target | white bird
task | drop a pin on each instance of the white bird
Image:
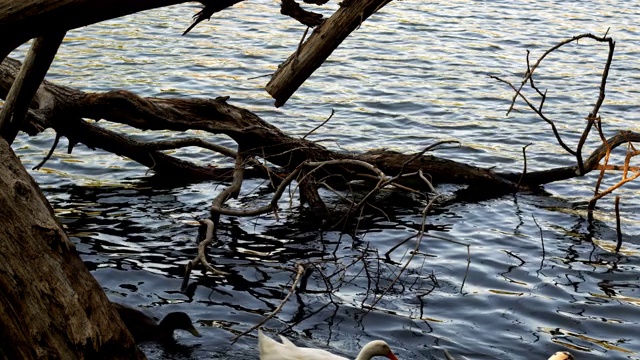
(273, 350)
(561, 355)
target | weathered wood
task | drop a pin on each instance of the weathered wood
(24, 87)
(217, 116)
(322, 42)
(591, 163)
(62, 108)
(50, 305)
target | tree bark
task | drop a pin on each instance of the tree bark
(62, 108)
(26, 19)
(322, 42)
(50, 305)
(24, 87)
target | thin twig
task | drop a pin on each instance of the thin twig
(616, 186)
(524, 170)
(319, 126)
(414, 252)
(592, 202)
(430, 147)
(48, 156)
(304, 36)
(260, 76)
(466, 272)
(202, 255)
(592, 115)
(544, 55)
(594, 112)
(554, 129)
(300, 270)
(541, 237)
(618, 231)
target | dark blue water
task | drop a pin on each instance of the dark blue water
(414, 74)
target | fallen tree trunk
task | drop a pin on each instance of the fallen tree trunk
(63, 109)
(50, 305)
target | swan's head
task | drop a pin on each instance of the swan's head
(561, 355)
(178, 320)
(377, 348)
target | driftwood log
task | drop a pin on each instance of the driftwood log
(50, 305)
(65, 110)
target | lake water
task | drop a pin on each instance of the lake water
(414, 74)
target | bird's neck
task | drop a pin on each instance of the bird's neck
(365, 353)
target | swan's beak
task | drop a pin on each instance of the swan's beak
(194, 332)
(391, 356)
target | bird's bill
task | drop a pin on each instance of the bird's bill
(391, 356)
(194, 332)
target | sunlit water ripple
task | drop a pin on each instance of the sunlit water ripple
(414, 74)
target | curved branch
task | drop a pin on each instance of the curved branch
(534, 178)
(594, 113)
(202, 255)
(230, 191)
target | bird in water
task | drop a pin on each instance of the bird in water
(145, 328)
(272, 350)
(560, 355)
(210, 7)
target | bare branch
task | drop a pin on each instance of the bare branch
(230, 191)
(524, 170)
(618, 231)
(202, 255)
(319, 126)
(533, 68)
(415, 250)
(48, 156)
(593, 115)
(300, 270)
(540, 114)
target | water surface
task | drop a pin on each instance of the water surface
(540, 278)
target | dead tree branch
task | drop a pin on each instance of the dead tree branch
(202, 254)
(210, 7)
(28, 19)
(538, 110)
(323, 41)
(293, 9)
(300, 269)
(26, 83)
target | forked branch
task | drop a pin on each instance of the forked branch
(591, 117)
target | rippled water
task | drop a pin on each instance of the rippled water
(412, 75)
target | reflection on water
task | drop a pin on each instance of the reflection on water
(540, 278)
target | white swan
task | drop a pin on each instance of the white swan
(273, 350)
(562, 355)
